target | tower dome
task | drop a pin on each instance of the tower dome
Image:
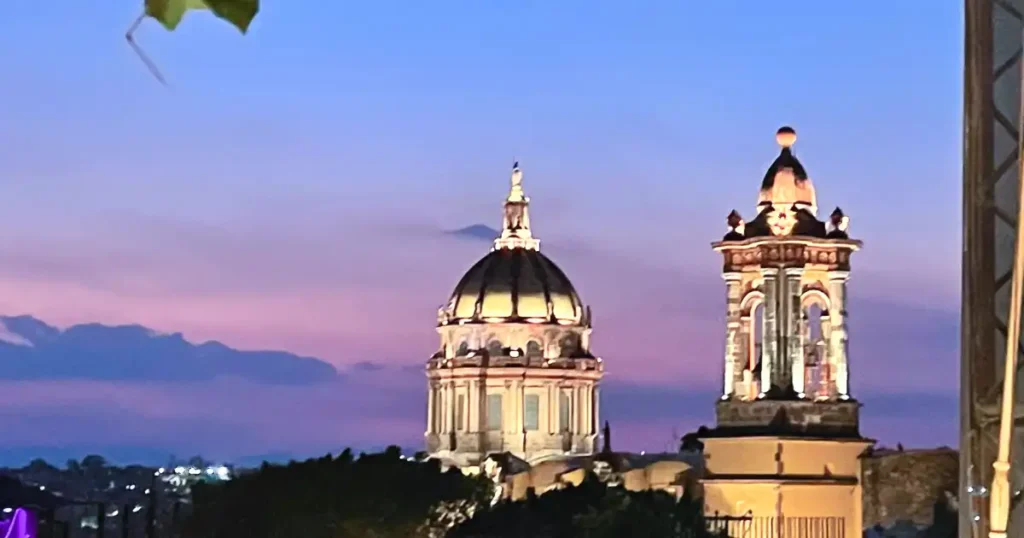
(786, 183)
(514, 372)
(787, 204)
(515, 282)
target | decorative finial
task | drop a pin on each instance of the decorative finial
(839, 220)
(736, 225)
(734, 220)
(607, 438)
(517, 175)
(516, 223)
(785, 136)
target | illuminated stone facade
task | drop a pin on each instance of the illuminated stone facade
(786, 442)
(514, 372)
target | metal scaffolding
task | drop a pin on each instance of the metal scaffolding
(992, 97)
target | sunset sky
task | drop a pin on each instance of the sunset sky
(292, 189)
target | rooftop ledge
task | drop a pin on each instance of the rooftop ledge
(485, 361)
(852, 244)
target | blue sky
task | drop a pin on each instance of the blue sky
(288, 190)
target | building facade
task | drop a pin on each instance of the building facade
(786, 446)
(514, 372)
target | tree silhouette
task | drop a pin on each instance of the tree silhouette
(590, 510)
(376, 496)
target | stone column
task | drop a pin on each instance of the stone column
(597, 407)
(748, 353)
(508, 403)
(473, 405)
(733, 368)
(552, 408)
(578, 406)
(449, 407)
(838, 342)
(583, 409)
(441, 420)
(517, 390)
(590, 410)
(794, 330)
(431, 395)
(769, 331)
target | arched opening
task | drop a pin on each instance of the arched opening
(569, 344)
(463, 349)
(747, 370)
(818, 377)
(534, 349)
(755, 354)
(494, 348)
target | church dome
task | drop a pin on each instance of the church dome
(515, 284)
(786, 183)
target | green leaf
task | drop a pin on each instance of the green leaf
(239, 13)
(168, 12)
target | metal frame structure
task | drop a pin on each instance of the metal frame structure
(991, 172)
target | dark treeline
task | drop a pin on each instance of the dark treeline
(387, 496)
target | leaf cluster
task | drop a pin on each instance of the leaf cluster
(590, 510)
(374, 496)
(240, 13)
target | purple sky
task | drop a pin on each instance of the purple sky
(291, 188)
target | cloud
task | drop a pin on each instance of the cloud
(479, 232)
(357, 288)
(35, 350)
(367, 407)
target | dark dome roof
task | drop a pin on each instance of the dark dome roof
(515, 284)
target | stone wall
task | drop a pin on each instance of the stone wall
(905, 485)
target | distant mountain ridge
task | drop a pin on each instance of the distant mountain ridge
(32, 349)
(480, 232)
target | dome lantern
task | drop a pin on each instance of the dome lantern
(515, 229)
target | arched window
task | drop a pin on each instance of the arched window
(749, 364)
(534, 349)
(756, 336)
(494, 348)
(569, 345)
(814, 331)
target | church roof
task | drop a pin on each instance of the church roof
(515, 282)
(787, 202)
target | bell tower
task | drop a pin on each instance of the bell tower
(786, 445)
(786, 272)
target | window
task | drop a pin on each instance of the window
(460, 413)
(531, 412)
(563, 411)
(569, 344)
(494, 412)
(494, 348)
(463, 349)
(533, 349)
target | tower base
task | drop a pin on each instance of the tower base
(778, 487)
(833, 419)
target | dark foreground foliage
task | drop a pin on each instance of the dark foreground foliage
(591, 510)
(373, 496)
